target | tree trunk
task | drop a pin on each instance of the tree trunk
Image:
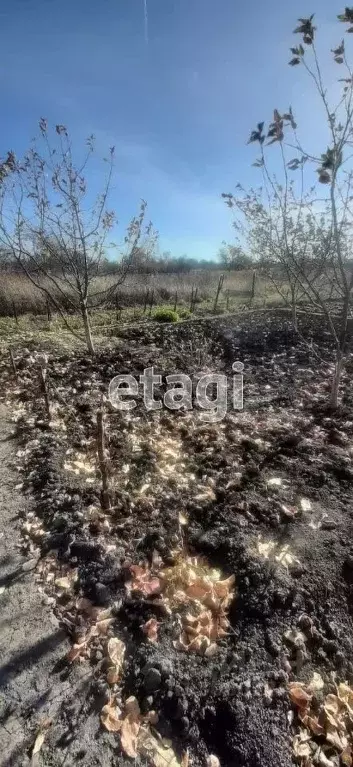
(87, 327)
(341, 351)
(294, 311)
(105, 498)
(336, 379)
(253, 287)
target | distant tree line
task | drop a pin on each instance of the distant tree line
(229, 257)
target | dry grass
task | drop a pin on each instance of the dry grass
(23, 310)
(18, 295)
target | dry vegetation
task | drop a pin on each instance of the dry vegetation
(16, 293)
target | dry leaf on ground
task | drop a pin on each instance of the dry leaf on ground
(212, 761)
(159, 752)
(116, 651)
(150, 628)
(143, 580)
(63, 583)
(110, 717)
(191, 581)
(130, 727)
(38, 743)
(331, 720)
(299, 695)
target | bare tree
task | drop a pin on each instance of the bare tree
(58, 235)
(311, 232)
(7, 166)
(233, 257)
(288, 239)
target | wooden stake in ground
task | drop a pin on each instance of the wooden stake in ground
(195, 298)
(175, 301)
(13, 365)
(49, 315)
(117, 306)
(145, 303)
(219, 288)
(151, 302)
(14, 309)
(253, 286)
(192, 299)
(43, 381)
(102, 459)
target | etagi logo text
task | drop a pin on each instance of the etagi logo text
(214, 392)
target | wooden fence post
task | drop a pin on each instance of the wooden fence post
(43, 380)
(13, 365)
(151, 302)
(145, 303)
(49, 314)
(219, 288)
(175, 301)
(195, 298)
(192, 299)
(14, 310)
(117, 307)
(102, 460)
(253, 286)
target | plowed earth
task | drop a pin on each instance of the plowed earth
(265, 495)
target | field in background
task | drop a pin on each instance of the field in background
(18, 296)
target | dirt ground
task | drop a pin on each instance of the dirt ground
(34, 681)
(264, 497)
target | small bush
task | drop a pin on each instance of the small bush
(184, 314)
(166, 315)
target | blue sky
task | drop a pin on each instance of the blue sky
(179, 108)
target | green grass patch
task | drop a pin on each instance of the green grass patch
(165, 314)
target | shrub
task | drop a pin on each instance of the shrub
(166, 315)
(184, 314)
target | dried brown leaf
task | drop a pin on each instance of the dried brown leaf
(317, 683)
(113, 675)
(129, 734)
(129, 737)
(197, 590)
(150, 628)
(301, 747)
(76, 651)
(312, 723)
(144, 581)
(336, 738)
(212, 761)
(159, 752)
(152, 717)
(332, 705)
(298, 695)
(102, 626)
(63, 583)
(116, 652)
(110, 717)
(132, 707)
(38, 742)
(223, 588)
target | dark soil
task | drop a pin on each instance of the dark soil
(234, 705)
